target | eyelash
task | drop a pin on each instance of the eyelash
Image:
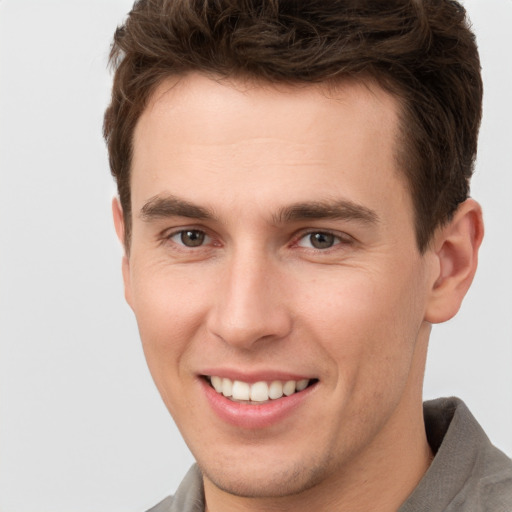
(338, 239)
(168, 237)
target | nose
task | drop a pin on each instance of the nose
(250, 306)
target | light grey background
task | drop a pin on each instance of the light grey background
(82, 428)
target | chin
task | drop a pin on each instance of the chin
(266, 482)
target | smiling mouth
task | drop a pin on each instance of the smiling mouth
(257, 392)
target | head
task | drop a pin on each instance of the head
(293, 183)
(422, 52)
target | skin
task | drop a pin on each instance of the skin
(258, 296)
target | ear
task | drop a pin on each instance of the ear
(117, 213)
(455, 246)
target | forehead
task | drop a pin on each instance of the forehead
(195, 103)
(223, 140)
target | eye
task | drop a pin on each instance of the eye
(190, 237)
(319, 240)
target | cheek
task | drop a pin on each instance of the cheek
(169, 307)
(367, 324)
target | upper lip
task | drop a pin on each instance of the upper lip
(254, 376)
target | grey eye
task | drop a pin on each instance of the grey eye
(190, 237)
(319, 240)
(322, 240)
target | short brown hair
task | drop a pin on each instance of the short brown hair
(422, 51)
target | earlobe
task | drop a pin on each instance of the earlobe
(117, 214)
(456, 246)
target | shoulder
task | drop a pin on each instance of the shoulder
(488, 487)
(468, 473)
(164, 506)
(189, 496)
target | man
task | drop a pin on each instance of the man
(294, 206)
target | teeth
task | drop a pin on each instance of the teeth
(257, 392)
(275, 390)
(227, 387)
(289, 387)
(217, 384)
(241, 390)
(302, 384)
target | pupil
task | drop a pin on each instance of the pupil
(192, 238)
(322, 240)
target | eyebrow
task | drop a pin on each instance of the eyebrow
(336, 210)
(160, 207)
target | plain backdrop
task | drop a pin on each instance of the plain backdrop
(82, 428)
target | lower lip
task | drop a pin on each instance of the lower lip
(257, 416)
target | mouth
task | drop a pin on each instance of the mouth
(257, 393)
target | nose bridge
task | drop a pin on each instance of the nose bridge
(250, 305)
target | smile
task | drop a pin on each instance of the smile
(258, 402)
(257, 392)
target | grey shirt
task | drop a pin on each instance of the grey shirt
(467, 474)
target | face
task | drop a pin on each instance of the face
(275, 278)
